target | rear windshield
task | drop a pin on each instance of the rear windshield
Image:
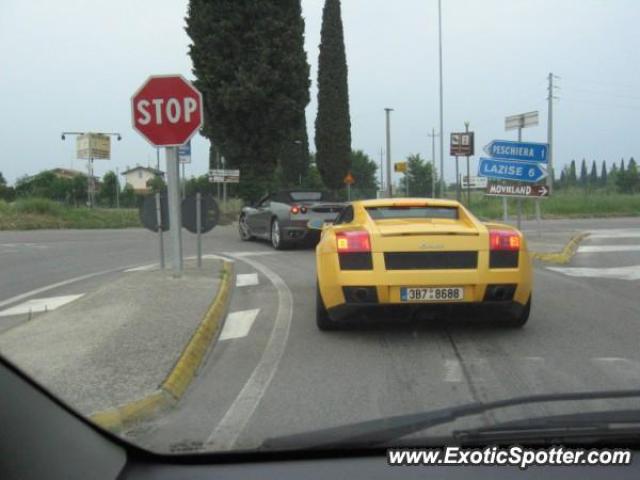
(383, 213)
(302, 196)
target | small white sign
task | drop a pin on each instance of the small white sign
(224, 176)
(476, 182)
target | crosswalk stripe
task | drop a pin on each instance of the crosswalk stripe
(238, 324)
(453, 371)
(631, 272)
(246, 279)
(615, 233)
(37, 305)
(608, 248)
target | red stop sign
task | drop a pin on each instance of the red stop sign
(167, 110)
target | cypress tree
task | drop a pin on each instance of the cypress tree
(583, 173)
(593, 175)
(622, 165)
(294, 154)
(603, 174)
(563, 179)
(573, 180)
(333, 123)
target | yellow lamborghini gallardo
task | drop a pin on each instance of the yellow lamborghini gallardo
(415, 254)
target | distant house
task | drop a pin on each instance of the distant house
(138, 177)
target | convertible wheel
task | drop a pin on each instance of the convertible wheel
(519, 320)
(323, 320)
(243, 229)
(276, 236)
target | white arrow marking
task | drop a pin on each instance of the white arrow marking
(39, 305)
(608, 248)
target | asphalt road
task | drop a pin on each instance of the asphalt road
(274, 373)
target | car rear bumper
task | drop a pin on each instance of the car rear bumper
(293, 234)
(467, 310)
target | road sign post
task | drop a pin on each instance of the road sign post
(199, 226)
(167, 111)
(159, 223)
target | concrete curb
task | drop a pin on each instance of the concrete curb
(564, 256)
(178, 380)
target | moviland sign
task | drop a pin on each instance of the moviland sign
(517, 190)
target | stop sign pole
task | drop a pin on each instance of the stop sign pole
(167, 111)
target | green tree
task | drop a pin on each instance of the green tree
(572, 181)
(7, 193)
(603, 174)
(294, 153)
(584, 176)
(622, 165)
(563, 178)
(363, 169)
(628, 181)
(156, 184)
(128, 197)
(252, 80)
(419, 174)
(333, 122)
(593, 175)
(110, 186)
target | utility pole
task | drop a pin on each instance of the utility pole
(433, 161)
(381, 170)
(441, 108)
(388, 127)
(550, 98)
(466, 129)
(117, 189)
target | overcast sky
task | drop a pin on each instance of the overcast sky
(73, 65)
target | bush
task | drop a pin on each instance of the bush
(40, 206)
(5, 208)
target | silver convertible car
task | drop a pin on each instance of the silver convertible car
(282, 217)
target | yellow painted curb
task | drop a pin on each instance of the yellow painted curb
(178, 380)
(564, 256)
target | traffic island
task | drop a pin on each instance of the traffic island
(129, 349)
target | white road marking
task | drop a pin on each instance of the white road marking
(631, 272)
(615, 233)
(226, 433)
(37, 305)
(622, 368)
(246, 279)
(251, 254)
(608, 248)
(212, 256)
(46, 288)
(453, 371)
(141, 268)
(238, 324)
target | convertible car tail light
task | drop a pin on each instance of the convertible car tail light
(504, 240)
(351, 242)
(295, 209)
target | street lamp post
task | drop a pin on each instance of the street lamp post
(388, 131)
(90, 178)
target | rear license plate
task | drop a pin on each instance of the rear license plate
(431, 294)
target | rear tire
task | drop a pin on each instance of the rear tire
(276, 236)
(323, 320)
(519, 320)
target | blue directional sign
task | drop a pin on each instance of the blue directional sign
(512, 170)
(184, 152)
(517, 151)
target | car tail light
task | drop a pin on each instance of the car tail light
(355, 241)
(295, 209)
(504, 240)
